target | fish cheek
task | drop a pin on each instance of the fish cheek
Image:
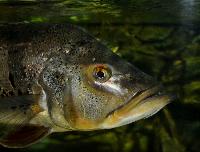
(96, 101)
(91, 109)
(89, 103)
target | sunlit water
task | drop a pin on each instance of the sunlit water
(161, 37)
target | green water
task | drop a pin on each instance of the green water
(161, 37)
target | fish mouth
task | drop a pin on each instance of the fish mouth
(141, 105)
(147, 95)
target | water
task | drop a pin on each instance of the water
(161, 37)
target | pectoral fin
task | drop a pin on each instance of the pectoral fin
(15, 115)
(24, 136)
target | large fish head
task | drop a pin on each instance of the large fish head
(106, 92)
(96, 89)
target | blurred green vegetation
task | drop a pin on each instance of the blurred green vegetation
(160, 37)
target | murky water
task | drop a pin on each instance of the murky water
(161, 37)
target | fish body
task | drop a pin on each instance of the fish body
(57, 77)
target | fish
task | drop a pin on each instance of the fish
(59, 78)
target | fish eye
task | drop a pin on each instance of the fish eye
(101, 74)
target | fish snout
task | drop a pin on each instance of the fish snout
(142, 104)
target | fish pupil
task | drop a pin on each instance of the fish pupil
(100, 74)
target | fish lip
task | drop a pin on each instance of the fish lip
(141, 105)
(152, 93)
(149, 94)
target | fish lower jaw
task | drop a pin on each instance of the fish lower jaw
(144, 109)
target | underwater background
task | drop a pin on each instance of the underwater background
(161, 37)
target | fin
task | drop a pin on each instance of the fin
(15, 115)
(24, 136)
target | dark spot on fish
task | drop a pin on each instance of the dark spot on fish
(82, 42)
(24, 106)
(13, 107)
(11, 78)
(19, 92)
(21, 106)
(28, 105)
(57, 75)
(11, 93)
(15, 50)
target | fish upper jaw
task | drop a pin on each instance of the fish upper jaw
(142, 105)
